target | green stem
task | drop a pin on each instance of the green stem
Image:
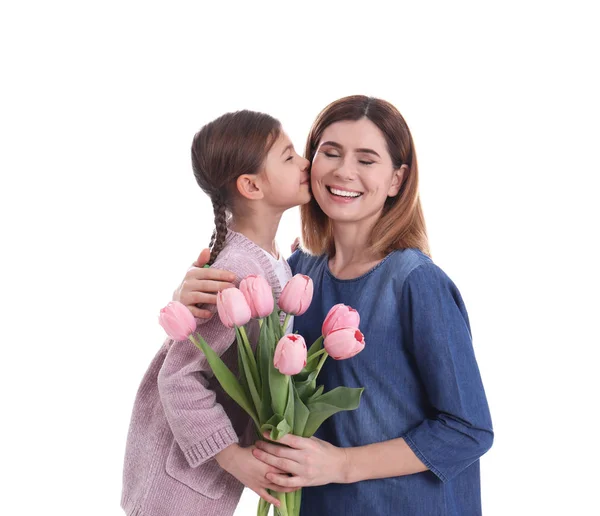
(297, 501)
(290, 498)
(282, 509)
(285, 323)
(316, 345)
(315, 355)
(254, 367)
(263, 508)
(321, 362)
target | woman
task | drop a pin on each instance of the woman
(413, 445)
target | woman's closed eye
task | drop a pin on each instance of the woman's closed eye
(331, 155)
(363, 162)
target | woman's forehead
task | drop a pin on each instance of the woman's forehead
(354, 134)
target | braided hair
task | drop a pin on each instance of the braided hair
(217, 241)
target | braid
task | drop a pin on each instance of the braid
(217, 241)
(212, 239)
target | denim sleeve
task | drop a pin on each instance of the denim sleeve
(436, 329)
(293, 260)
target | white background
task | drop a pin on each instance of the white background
(101, 215)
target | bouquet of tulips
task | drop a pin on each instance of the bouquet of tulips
(277, 384)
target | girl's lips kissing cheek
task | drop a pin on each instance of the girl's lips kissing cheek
(342, 195)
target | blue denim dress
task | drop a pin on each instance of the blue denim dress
(421, 383)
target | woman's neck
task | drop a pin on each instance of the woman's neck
(261, 231)
(353, 256)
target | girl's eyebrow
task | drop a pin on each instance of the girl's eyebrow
(361, 150)
(289, 147)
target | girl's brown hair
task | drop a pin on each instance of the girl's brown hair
(401, 224)
(224, 149)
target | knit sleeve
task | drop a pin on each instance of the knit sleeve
(199, 424)
(437, 329)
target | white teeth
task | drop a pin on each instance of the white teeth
(343, 193)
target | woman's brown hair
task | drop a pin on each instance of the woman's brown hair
(401, 224)
(224, 149)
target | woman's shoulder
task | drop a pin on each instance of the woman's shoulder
(415, 267)
(416, 272)
(402, 262)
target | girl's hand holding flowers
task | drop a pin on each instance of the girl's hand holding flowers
(241, 463)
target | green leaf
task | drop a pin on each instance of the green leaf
(226, 378)
(247, 372)
(241, 334)
(306, 388)
(332, 402)
(316, 346)
(316, 394)
(311, 365)
(278, 426)
(302, 375)
(258, 352)
(273, 421)
(301, 414)
(242, 375)
(289, 408)
(265, 356)
(275, 325)
(278, 383)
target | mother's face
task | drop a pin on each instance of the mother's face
(352, 173)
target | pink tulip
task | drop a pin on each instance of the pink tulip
(344, 343)
(233, 308)
(340, 316)
(297, 295)
(177, 320)
(290, 354)
(259, 296)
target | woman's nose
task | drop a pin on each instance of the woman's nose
(344, 172)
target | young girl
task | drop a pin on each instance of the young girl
(185, 452)
(413, 445)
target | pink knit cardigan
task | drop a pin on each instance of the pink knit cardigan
(182, 417)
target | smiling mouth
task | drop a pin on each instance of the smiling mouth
(343, 193)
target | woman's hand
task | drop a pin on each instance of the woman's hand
(240, 463)
(310, 461)
(199, 286)
(296, 244)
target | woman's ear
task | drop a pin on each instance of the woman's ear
(248, 186)
(397, 180)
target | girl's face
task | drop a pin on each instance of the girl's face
(286, 175)
(352, 173)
